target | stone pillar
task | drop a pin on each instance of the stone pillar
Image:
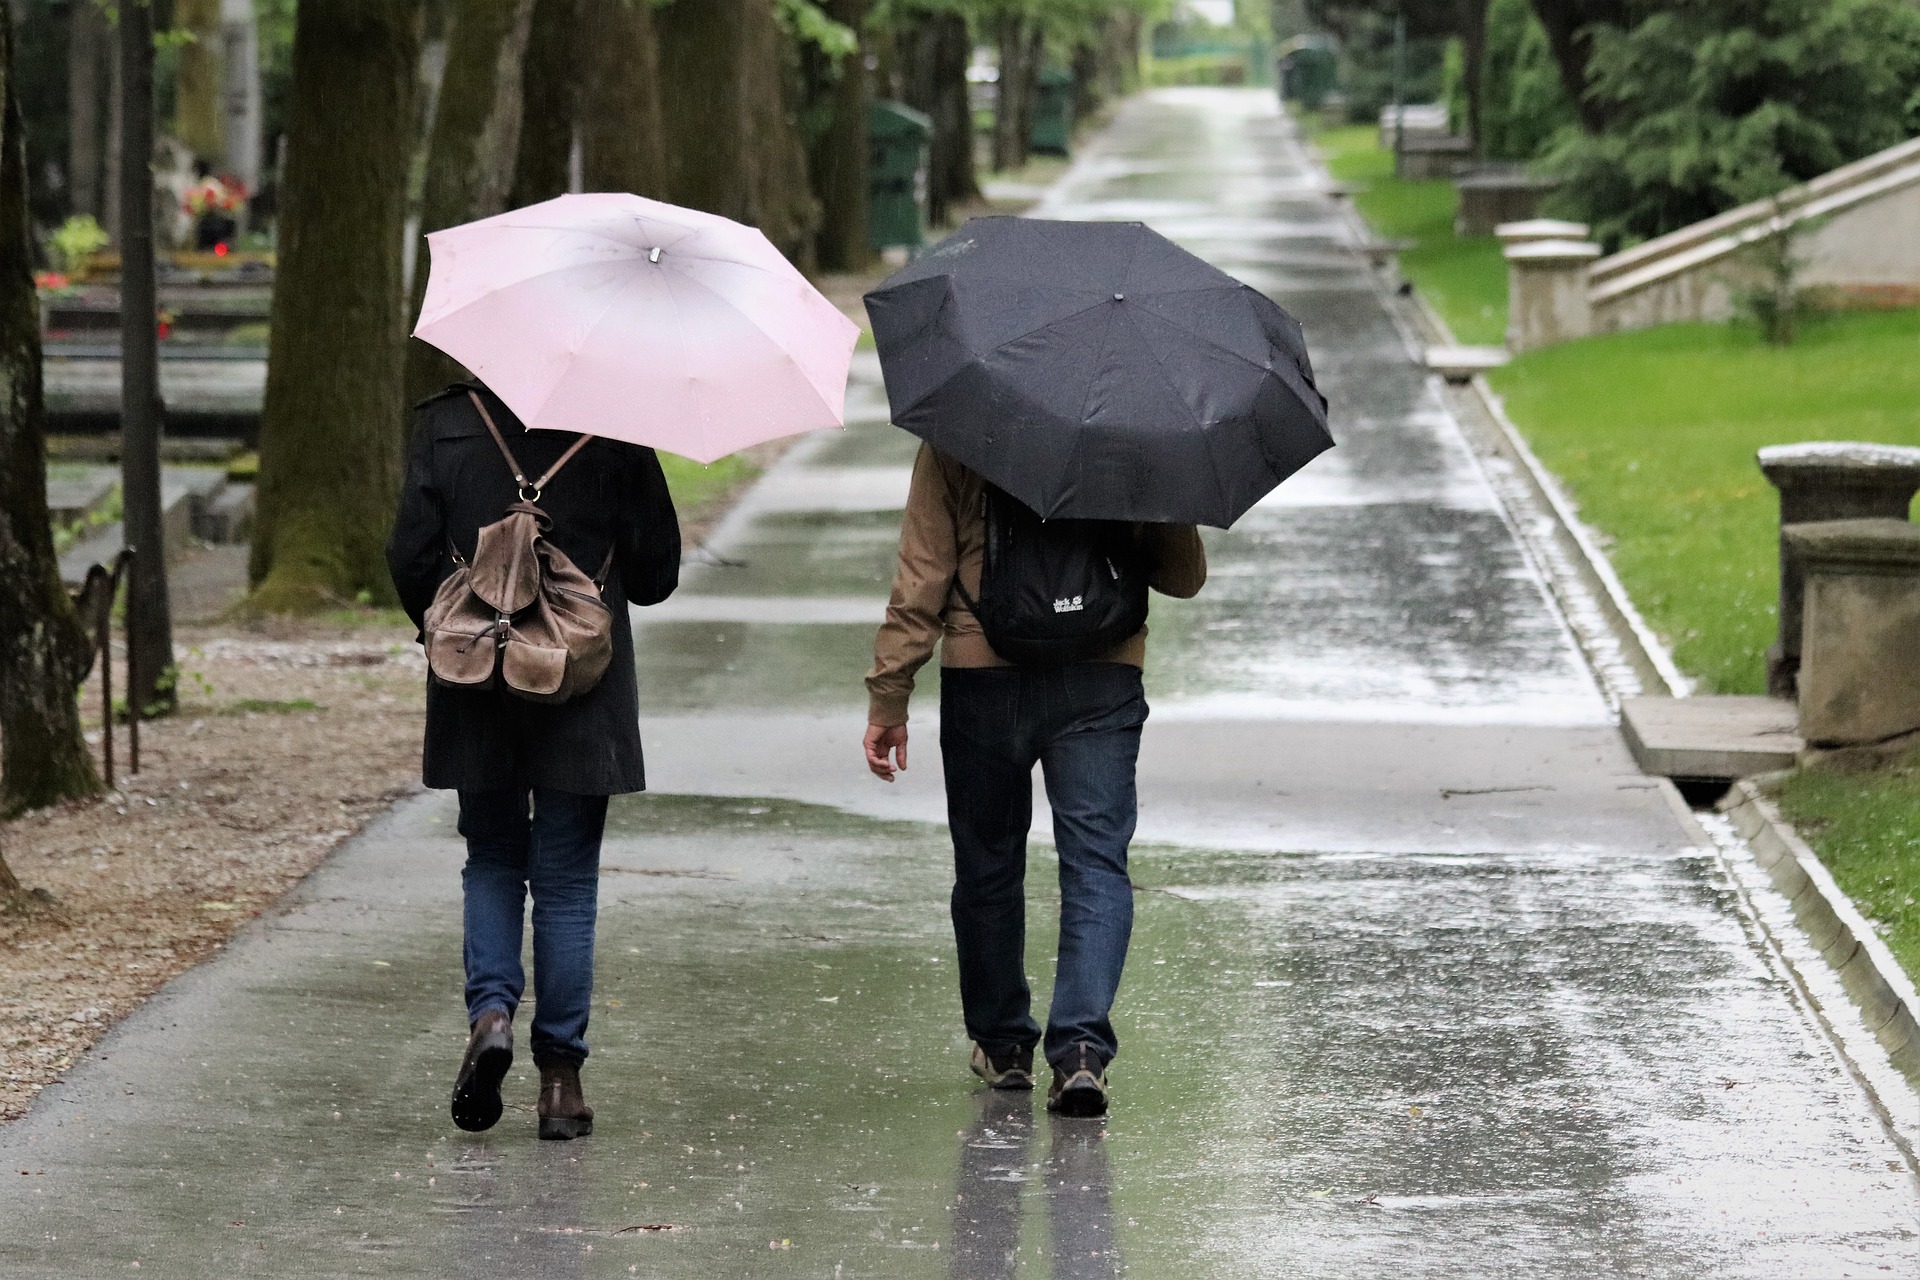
(1860, 643)
(1534, 230)
(1547, 292)
(1828, 480)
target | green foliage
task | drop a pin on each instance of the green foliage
(1711, 103)
(1523, 105)
(74, 241)
(1654, 433)
(807, 23)
(1463, 277)
(1866, 828)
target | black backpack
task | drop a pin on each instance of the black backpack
(1054, 592)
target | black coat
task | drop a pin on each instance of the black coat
(610, 496)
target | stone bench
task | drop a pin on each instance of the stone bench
(1859, 676)
(1827, 481)
(1490, 200)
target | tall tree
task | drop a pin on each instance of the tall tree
(150, 632)
(330, 429)
(1718, 102)
(703, 95)
(1571, 26)
(840, 162)
(87, 45)
(198, 81)
(550, 97)
(934, 52)
(732, 145)
(471, 152)
(622, 142)
(1022, 43)
(43, 647)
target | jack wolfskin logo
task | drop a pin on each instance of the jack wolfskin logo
(1073, 605)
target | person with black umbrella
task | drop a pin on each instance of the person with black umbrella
(1087, 393)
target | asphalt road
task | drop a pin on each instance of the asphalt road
(1427, 979)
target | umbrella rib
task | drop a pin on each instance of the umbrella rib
(772, 341)
(1201, 337)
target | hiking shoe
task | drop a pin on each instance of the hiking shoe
(1079, 1083)
(1007, 1068)
(564, 1113)
(476, 1092)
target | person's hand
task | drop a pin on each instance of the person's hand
(880, 740)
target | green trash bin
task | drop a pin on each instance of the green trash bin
(1052, 128)
(898, 137)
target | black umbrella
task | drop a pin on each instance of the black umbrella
(1097, 370)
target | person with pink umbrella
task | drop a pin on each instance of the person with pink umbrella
(598, 329)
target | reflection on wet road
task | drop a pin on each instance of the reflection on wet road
(1427, 979)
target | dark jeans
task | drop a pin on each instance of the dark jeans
(1081, 724)
(554, 850)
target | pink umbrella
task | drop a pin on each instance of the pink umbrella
(641, 321)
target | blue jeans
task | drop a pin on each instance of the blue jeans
(555, 852)
(1081, 724)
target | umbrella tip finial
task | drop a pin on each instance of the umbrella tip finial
(1119, 297)
(654, 256)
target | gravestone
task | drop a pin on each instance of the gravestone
(1820, 481)
(1859, 675)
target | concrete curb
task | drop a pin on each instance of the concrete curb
(1879, 987)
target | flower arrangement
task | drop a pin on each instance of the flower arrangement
(224, 194)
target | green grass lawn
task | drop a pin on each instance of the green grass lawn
(1463, 277)
(1866, 828)
(1654, 434)
(696, 487)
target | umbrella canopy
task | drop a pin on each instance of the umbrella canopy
(641, 321)
(1096, 370)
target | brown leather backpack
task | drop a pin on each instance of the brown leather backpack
(520, 614)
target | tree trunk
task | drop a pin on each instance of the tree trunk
(782, 200)
(110, 172)
(1566, 23)
(330, 431)
(86, 83)
(621, 134)
(840, 163)
(1009, 143)
(43, 646)
(470, 159)
(1030, 63)
(1471, 28)
(196, 110)
(142, 416)
(704, 83)
(730, 140)
(550, 94)
(934, 80)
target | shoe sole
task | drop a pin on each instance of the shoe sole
(476, 1095)
(564, 1128)
(1011, 1081)
(1079, 1101)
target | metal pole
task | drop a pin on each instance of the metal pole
(1399, 82)
(149, 623)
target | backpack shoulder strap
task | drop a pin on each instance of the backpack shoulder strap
(513, 463)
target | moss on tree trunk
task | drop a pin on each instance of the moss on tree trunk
(43, 647)
(621, 137)
(331, 428)
(781, 200)
(470, 156)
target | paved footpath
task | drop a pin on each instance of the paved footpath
(1427, 980)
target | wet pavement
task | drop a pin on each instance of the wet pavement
(1427, 979)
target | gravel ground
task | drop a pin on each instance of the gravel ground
(287, 741)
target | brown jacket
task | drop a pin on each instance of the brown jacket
(944, 531)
